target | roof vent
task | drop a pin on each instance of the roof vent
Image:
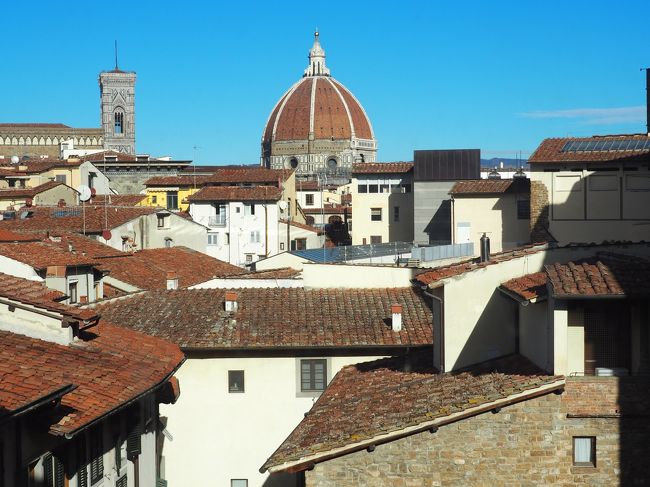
(396, 309)
(231, 301)
(172, 280)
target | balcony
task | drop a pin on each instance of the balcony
(217, 221)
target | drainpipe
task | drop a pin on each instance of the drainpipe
(441, 305)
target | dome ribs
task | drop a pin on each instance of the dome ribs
(293, 121)
(362, 127)
(330, 114)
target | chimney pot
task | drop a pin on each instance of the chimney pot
(231, 301)
(396, 309)
(172, 280)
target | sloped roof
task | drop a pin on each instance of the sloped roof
(490, 186)
(275, 318)
(30, 192)
(43, 254)
(381, 167)
(551, 150)
(36, 294)
(530, 286)
(110, 367)
(223, 176)
(118, 199)
(376, 402)
(237, 193)
(147, 269)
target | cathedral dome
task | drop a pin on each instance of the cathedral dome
(317, 115)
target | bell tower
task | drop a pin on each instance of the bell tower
(117, 95)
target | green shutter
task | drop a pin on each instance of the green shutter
(121, 482)
(161, 483)
(48, 471)
(97, 469)
(133, 445)
(82, 476)
(59, 473)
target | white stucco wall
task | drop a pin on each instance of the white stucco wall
(283, 259)
(355, 276)
(233, 283)
(18, 269)
(232, 434)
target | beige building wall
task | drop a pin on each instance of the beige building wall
(588, 205)
(396, 225)
(494, 215)
(355, 276)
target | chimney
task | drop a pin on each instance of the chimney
(396, 309)
(485, 248)
(172, 280)
(231, 301)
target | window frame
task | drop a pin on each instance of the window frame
(73, 292)
(396, 213)
(172, 196)
(309, 199)
(523, 209)
(232, 484)
(376, 214)
(592, 463)
(300, 392)
(213, 239)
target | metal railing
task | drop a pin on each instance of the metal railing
(217, 221)
(439, 252)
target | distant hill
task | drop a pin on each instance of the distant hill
(496, 161)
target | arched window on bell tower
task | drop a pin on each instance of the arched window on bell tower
(118, 119)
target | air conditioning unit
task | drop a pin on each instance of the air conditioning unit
(612, 372)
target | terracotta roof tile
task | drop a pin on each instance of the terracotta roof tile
(9, 236)
(276, 317)
(223, 176)
(147, 269)
(491, 186)
(28, 192)
(35, 293)
(281, 273)
(381, 167)
(304, 226)
(607, 274)
(118, 199)
(237, 193)
(110, 366)
(328, 209)
(370, 399)
(550, 150)
(41, 255)
(531, 286)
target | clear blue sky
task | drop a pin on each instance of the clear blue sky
(499, 76)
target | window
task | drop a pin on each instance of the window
(172, 200)
(523, 209)
(309, 199)
(119, 122)
(53, 471)
(375, 214)
(72, 292)
(169, 243)
(407, 188)
(396, 213)
(154, 199)
(122, 481)
(249, 209)
(255, 236)
(249, 258)
(227, 239)
(384, 188)
(213, 238)
(125, 244)
(235, 381)
(362, 188)
(373, 188)
(301, 244)
(584, 451)
(313, 375)
(293, 162)
(97, 455)
(375, 239)
(163, 220)
(238, 483)
(238, 210)
(61, 178)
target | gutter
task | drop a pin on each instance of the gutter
(308, 462)
(52, 396)
(70, 435)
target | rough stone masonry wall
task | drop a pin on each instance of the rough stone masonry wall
(539, 212)
(527, 444)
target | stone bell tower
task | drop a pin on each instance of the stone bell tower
(117, 94)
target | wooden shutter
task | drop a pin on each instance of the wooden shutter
(97, 469)
(133, 444)
(82, 476)
(122, 481)
(59, 473)
(48, 471)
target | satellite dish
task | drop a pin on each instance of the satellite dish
(15, 159)
(282, 205)
(84, 192)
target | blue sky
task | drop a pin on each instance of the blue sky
(499, 76)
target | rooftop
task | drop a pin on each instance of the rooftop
(223, 176)
(381, 167)
(28, 192)
(276, 318)
(237, 193)
(599, 148)
(376, 402)
(490, 186)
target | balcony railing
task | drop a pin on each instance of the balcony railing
(217, 221)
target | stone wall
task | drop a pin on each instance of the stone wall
(526, 444)
(539, 212)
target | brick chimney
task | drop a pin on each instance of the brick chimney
(396, 309)
(231, 301)
(172, 280)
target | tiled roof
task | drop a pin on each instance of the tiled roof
(100, 156)
(550, 150)
(37, 166)
(491, 186)
(531, 286)
(20, 389)
(71, 218)
(607, 274)
(224, 176)
(314, 186)
(381, 167)
(270, 318)
(375, 402)
(119, 199)
(147, 269)
(35, 293)
(303, 226)
(452, 270)
(112, 367)
(281, 273)
(237, 193)
(9, 236)
(28, 192)
(43, 254)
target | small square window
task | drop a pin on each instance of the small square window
(154, 199)
(362, 188)
(309, 199)
(235, 381)
(584, 451)
(238, 483)
(375, 214)
(213, 238)
(375, 239)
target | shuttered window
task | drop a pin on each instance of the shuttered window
(313, 375)
(97, 455)
(133, 445)
(53, 471)
(121, 482)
